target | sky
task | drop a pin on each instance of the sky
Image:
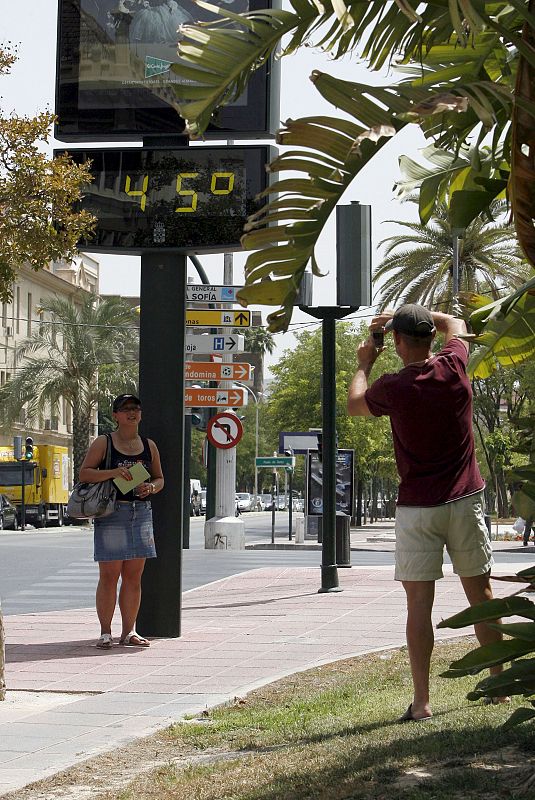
(30, 88)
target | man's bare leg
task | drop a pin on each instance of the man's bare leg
(420, 641)
(477, 590)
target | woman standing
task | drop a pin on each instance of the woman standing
(124, 539)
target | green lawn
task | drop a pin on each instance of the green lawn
(331, 733)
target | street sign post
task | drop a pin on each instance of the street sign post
(217, 371)
(205, 344)
(210, 398)
(224, 431)
(275, 461)
(218, 319)
(211, 294)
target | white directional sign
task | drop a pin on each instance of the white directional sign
(211, 294)
(210, 398)
(206, 343)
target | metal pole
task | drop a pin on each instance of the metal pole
(290, 481)
(211, 453)
(23, 498)
(329, 572)
(274, 490)
(455, 273)
(187, 492)
(162, 332)
(256, 455)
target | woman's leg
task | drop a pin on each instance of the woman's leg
(130, 593)
(106, 596)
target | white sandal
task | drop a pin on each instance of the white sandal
(105, 641)
(128, 640)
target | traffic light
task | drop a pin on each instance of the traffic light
(199, 418)
(28, 448)
(17, 447)
(320, 446)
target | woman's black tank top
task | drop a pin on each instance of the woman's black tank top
(122, 460)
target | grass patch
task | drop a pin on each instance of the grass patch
(331, 733)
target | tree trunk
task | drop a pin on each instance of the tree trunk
(80, 438)
(2, 659)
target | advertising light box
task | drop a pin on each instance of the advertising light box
(113, 79)
(189, 199)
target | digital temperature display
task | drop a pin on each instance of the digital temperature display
(191, 199)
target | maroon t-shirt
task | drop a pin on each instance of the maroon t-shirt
(430, 410)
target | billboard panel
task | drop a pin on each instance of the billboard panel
(344, 482)
(113, 72)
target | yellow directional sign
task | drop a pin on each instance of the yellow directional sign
(218, 319)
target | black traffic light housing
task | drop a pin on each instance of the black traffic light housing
(200, 418)
(28, 448)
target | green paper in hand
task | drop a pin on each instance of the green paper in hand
(139, 475)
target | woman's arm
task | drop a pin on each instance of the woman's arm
(156, 474)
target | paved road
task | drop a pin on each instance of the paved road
(53, 569)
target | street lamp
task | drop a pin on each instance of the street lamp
(255, 398)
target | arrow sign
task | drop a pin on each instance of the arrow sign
(228, 398)
(207, 318)
(211, 294)
(224, 430)
(204, 344)
(275, 461)
(215, 371)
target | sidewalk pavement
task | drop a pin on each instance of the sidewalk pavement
(68, 700)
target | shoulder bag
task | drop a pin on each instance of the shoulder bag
(90, 500)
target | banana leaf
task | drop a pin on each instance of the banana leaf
(454, 95)
(491, 610)
(490, 655)
(525, 631)
(518, 716)
(506, 332)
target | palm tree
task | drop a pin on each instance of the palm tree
(63, 358)
(466, 74)
(418, 264)
(258, 341)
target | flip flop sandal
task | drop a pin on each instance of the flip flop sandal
(105, 642)
(408, 717)
(133, 639)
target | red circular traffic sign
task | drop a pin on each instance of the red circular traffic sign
(224, 430)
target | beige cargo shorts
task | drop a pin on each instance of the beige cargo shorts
(422, 533)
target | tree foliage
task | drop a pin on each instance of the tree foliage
(418, 263)
(62, 360)
(295, 398)
(456, 66)
(39, 221)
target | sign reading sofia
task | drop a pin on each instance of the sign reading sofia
(113, 72)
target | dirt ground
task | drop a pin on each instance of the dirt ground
(113, 772)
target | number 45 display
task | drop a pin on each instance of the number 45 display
(221, 183)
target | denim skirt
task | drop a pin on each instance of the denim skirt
(125, 534)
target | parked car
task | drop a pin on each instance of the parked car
(245, 501)
(267, 500)
(8, 514)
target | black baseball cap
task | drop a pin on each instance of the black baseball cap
(119, 401)
(412, 320)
